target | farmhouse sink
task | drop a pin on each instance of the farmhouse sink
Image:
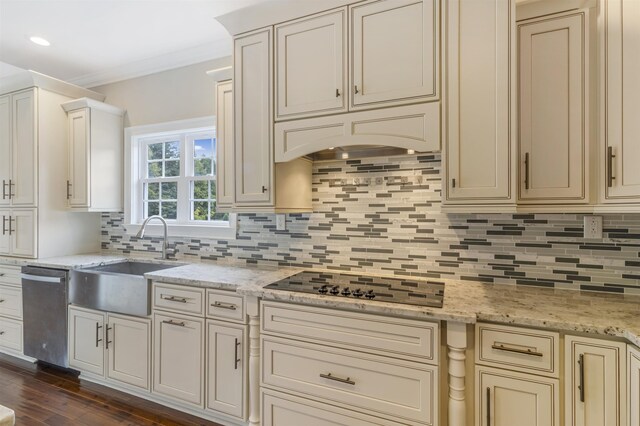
(119, 287)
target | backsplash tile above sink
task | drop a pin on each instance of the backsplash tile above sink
(383, 215)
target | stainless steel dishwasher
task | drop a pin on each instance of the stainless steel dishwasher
(44, 306)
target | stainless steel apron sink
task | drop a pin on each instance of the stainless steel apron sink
(119, 287)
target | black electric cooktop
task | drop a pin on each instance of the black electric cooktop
(393, 290)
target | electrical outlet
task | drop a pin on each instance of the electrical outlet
(281, 222)
(593, 227)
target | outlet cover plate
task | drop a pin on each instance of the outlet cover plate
(593, 227)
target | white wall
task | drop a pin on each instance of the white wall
(177, 94)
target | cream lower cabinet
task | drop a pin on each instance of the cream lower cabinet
(113, 346)
(595, 390)
(10, 310)
(633, 386)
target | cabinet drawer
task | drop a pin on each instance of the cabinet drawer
(11, 301)
(351, 379)
(521, 349)
(279, 409)
(11, 335)
(181, 299)
(371, 333)
(224, 304)
(10, 275)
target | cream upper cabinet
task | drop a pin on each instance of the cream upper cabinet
(5, 147)
(394, 52)
(79, 160)
(554, 108)
(620, 109)
(24, 150)
(253, 118)
(594, 382)
(633, 386)
(311, 71)
(225, 177)
(477, 119)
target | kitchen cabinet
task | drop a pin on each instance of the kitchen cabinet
(19, 229)
(10, 310)
(95, 148)
(478, 118)
(226, 375)
(311, 65)
(86, 340)
(620, 97)
(633, 386)
(594, 386)
(394, 54)
(225, 167)
(554, 136)
(507, 398)
(5, 147)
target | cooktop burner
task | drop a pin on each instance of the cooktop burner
(393, 290)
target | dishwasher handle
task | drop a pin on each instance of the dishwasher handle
(39, 278)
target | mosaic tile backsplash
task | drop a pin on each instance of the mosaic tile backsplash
(382, 215)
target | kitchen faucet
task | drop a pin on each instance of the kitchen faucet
(165, 242)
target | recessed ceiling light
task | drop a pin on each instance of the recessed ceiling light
(40, 41)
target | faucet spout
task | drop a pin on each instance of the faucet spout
(165, 242)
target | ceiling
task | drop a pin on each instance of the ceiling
(96, 42)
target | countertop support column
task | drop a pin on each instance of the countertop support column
(253, 310)
(457, 345)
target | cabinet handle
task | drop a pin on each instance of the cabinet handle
(98, 339)
(488, 406)
(356, 89)
(107, 341)
(11, 185)
(68, 190)
(1, 273)
(526, 171)
(338, 379)
(4, 221)
(174, 299)
(172, 322)
(1, 300)
(453, 182)
(264, 189)
(4, 189)
(528, 351)
(610, 176)
(581, 385)
(235, 355)
(11, 220)
(1, 333)
(337, 93)
(221, 305)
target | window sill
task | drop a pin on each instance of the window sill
(185, 231)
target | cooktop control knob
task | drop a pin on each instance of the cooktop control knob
(323, 289)
(345, 292)
(357, 293)
(369, 294)
(334, 290)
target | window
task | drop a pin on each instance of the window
(173, 174)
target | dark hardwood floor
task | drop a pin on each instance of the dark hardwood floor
(42, 395)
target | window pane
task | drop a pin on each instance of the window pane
(213, 189)
(203, 167)
(201, 190)
(169, 190)
(172, 150)
(154, 152)
(153, 191)
(153, 208)
(200, 210)
(221, 216)
(203, 157)
(171, 168)
(154, 170)
(170, 210)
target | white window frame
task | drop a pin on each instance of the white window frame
(135, 164)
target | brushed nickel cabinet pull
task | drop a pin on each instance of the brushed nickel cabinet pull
(337, 93)
(1, 274)
(501, 347)
(221, 305)
(581, 385)
(172, 322)
(610, 176)
(264, 189)
(338, 379)
(174, 299)
(235, 355)
(11, 194)
(107, 341)
(1, 300)
(98, 339)
(68, 190)
(4, 189)
(453, 182)
(1, 333)
(356, 89)
(11, 220)
(488, 406)
(4, 221)
(526, 171)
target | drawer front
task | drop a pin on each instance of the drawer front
(180, 299)
(10, 275)
(279, 409)
(520, 349)
(371, 333)
(225, 305)
(11, 301)
(11, 335)
(352, 380)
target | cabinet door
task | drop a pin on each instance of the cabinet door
(595, 392)
(129, 344)
(23, 232)
(253, 119)
(478, 116)
(79, 161)
(225, 368)
(394, 56)
(5, 238)
(24, 158)
(506, 398)
(311, 71)
(554, 126)
(5, 148)
(86, 344)
(225, 177)
(633, 386)
(621, 99)
(178, 358)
